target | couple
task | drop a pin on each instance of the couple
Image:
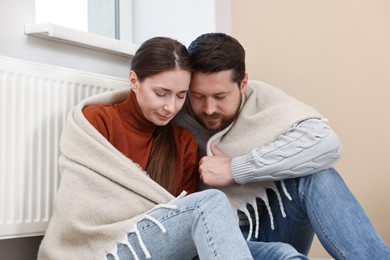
(126, 167)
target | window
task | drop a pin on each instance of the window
(110, 18)
(119, 26)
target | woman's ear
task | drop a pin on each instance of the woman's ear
(133, 81)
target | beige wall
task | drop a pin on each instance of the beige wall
(335, 55)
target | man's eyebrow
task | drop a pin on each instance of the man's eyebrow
(191, 91)
(214, 94)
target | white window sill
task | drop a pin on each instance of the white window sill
(88, 40)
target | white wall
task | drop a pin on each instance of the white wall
(190, 18)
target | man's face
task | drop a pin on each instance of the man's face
(215, 99)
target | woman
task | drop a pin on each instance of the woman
(122, 163)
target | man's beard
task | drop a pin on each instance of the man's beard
(222, 123)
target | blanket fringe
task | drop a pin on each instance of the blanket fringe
(243, 195)
(248, 215)
(132, 250)
(138, 234)
(155, 221)
(271, 216)
(285, 190)
(142, 244)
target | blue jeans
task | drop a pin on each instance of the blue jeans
(202, 223)
(323, 204)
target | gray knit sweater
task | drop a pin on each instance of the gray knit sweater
(306, 147)
(275, 137)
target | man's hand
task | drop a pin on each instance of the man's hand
(216, 171)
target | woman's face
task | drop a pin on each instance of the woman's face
(162, 95)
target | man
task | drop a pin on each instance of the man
(256, 135)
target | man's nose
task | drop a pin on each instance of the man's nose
(210, 106)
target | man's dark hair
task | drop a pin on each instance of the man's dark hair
(215, 52)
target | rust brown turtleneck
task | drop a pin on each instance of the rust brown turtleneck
(126, 128)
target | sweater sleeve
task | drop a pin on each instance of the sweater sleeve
(306, 148)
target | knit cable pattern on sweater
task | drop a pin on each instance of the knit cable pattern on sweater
(265, 115)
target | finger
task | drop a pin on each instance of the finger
(201, 167)
(201, 161)
(216, 151)
(204, 159)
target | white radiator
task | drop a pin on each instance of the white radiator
(34, 101)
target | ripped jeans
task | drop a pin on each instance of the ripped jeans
(201, 223)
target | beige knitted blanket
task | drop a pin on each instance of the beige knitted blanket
(266, 113)
(102, 194)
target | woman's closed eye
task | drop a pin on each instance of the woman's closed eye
(182, 95)
(161, 93)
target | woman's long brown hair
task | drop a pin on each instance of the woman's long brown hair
(154, 56)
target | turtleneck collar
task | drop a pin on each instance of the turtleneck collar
(133, 115)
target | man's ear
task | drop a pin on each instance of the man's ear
(133, 81)
(244, 84)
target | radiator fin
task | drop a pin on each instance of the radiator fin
(34, 101)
